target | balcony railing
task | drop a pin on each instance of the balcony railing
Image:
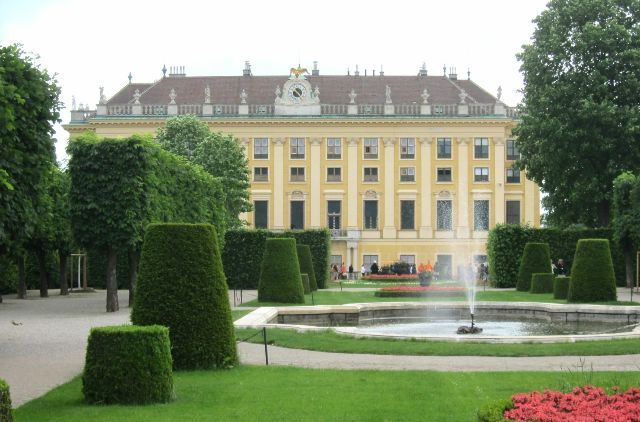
(340, 234)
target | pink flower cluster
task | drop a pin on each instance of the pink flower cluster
(385, 276)
(421, 289)
(583, 404)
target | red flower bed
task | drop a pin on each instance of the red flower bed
(418, 291)
(584, 404)
(390, 276)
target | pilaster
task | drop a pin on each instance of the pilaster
(352, 184)
(389, 228)
(315, 175)
(529, 202)
(462, 229)
(426, 230)
(278, 183)
(499, 206)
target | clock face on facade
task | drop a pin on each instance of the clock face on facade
(297, 92)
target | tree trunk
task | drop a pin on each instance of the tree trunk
(628, 264)
(133, 274)
(112, 281)
(603, 213)
(22, 279)
(42, 270)
(64, 285)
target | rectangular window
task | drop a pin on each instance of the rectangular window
(334, 148)
(444, 148)
(407, 148)
(336, 260)
(334, 209)
(260, 214)
(407, 174)
(513, 212)
(513, 175)
(371, 215)
(481, 215)
(334, 174)
(371, 174)
(407, 215)
(445, 266)
(444, 174)
(297, 148)
(512, 150)
(371, 148)
(408, 259)
(367, 260)
(444, 215)
(481, 174)
(297, 174)
(261, 174)
(260, 148)
(481, 148)
(297, 215)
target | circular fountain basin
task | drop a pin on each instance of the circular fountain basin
(510, 322)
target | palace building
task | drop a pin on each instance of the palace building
(413, 168)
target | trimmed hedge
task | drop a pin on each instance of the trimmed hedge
(535, 259)
(592, 276)
(305, 283)
(494, 411)
(542, 283)
(506, 242)
(128, 365)
(6, 412)
(561, 287)
(244, 249)
(280, 279)
(306, 265)
(181, 286)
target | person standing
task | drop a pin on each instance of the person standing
(350, 272)
(343, 271)
(374, 268)
(561, 268)
(363, 271)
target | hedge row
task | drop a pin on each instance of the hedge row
(561, 287)
(128, 365)
(506, 245)
(542, 283)
(535, 259)
(592, 278)
(243, 251)
(6, 412)
(280, 279)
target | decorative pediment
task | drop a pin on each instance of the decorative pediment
(371, 194)
(297, 96)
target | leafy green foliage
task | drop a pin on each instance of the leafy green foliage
(592, 277)
(220, 155)
(280, 279)
(542, 283)
(626, 219)
(6, 412)
(29, 107)
(306, 265)
(535, 259)
(243, 251)
(181, 285)
(494, 411)
(8, 275)
(128, 365)
(580, 114)
(561, 287)
(506, 241)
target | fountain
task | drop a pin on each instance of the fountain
(470, 284)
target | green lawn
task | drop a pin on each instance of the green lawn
(329, 341)
(323, 297)
(252, 393)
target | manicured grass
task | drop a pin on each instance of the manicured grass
(251, 393)
(329, 341)
(323, 297)
(239, 313)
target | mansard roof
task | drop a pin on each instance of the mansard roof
(333, 89)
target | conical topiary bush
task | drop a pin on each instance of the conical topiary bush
(280, 279)
(306, 265)
(592, 275)
(181, 285)
(535, 259)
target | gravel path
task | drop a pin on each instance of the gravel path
(43, 342)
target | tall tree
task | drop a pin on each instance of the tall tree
(219, 154)
(626, 226)
(580, 113)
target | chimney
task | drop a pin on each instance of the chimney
(357, 72)
(423, 70)
(315, 71)
(176, 71)
(247, 69)
(365, 72)
(381, 71)
(452, 73)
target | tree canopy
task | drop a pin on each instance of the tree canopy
(580, 116)
(219, 154)
(626, 218)
(28, 109)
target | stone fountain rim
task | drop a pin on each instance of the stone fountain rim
(262, 316)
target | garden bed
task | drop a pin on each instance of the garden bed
(419, 291)
(398, 278)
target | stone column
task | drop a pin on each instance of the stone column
(315, 176)
(462, 229)
(529, 201)
(278, 183)
(244, 143)
(352, 184)
(352, 256)
(499, 157)
(389, 228)
(426, 230)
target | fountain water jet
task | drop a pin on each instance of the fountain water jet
(470, 284)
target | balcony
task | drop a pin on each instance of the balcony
(339, 234)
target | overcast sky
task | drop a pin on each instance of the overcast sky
(91, 44)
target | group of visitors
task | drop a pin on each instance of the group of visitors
(559, 268)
